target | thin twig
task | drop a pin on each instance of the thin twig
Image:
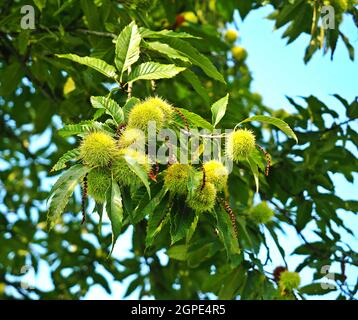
(130, 85)
(97, 33)
(154, 86)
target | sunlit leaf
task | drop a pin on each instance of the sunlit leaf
(94, 63)
(127, 47)
(154, 71)
(68, 156)
(218, 109)
(195, 119)
(110, 106)
(165, 49)
(150, 34)
(84, 127)
(114, 209)
(282, 125)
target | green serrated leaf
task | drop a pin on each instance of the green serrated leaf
(40, 4)
(316, 289)
(274, 236)
(128, 203)
(259, 158)
(255, 171)
(342, 100)
(137, 282)
(62, 190)
(195, 119)
(146, 33)
(127, 47)
(195, 57)
(218, 109)
(110, 106)
(226, 232)
(289, 12)
(304, 214)
(192, 228)
(165, 49)
(232, 284)
(181, 219)
(139, 171)
(130, 103)
(99, 113)
(348, 45)
(83, 128)
(147, 206)
(68, 156)
(282, 125)
(157, 219)
(178, 252)
(99, 208)
(194, 81)
(244, 234)
(94, 63)
(202, 250)
(154, 71)
(195, 179)
(114, 209)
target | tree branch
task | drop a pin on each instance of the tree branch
(42, 87)
(96, 33)
(11, 135)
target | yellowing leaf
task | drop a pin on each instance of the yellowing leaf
(69, 86)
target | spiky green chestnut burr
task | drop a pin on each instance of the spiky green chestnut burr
(203, 198)
(177, 177)
(163, 105)
(216, 173)
(261, 213)
(144, 112)
(289, 281)
(130, 136)
(122, 173)
(98, 181)
(240, 144)
(97, 149)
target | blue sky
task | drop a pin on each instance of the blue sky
(278, 70)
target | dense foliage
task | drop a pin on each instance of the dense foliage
(45, 91)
